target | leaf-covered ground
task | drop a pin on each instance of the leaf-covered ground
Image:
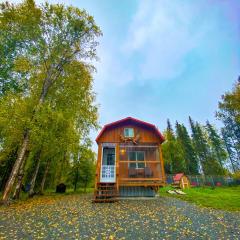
(75, 217)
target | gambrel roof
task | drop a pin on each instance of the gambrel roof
(131, 120)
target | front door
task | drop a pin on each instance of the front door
(108, 165)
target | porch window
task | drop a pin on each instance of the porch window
(129, 132)
(136, 156)
(108, 156)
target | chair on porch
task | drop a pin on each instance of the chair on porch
(132, 172)
(148, 172)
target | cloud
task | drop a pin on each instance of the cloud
(164, 32)
(110, 68)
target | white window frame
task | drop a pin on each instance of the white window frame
(104, 179)
(135, 162)
(124, 132)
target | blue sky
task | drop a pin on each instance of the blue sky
(164, 59)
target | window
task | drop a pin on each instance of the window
(108, 156)
(135, 156)
(129, 132)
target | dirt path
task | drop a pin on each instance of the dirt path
(75, 217)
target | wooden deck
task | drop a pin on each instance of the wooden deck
(146, 182)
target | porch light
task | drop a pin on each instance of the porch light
(122, 151)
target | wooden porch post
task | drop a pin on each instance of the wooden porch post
(162, 165)
(117, 166)
(98, 168)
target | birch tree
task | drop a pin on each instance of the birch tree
(64, 39)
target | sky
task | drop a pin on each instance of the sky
(163, 59)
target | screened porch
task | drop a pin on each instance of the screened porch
(139, 163)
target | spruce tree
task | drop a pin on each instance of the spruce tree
(217, 144)
(172, 152)
(209, 163)
(229, 113)
(190, 158)
(167, 148)
(200, 145)
(235, 164)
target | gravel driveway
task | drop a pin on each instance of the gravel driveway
(75, 217)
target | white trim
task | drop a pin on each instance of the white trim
(137, 146)
(109, 145)
(110, 180)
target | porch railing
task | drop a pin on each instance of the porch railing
(108, 172)
(140, 170)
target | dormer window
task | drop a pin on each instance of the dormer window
(129, 132)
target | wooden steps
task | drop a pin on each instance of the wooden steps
(105, 192)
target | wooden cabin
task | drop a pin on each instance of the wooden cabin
(130, 162)
(180, 180)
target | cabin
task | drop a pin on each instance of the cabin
(129, 162)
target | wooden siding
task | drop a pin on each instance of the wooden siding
(147, 138)
(113, 134)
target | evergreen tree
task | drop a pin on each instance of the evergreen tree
(209, 164)
(217, 144)
(229, 113)
(234, 163)
(172, 152)
(197, 144)
(190, 158)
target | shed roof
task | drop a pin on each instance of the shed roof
(130, 120)
(178, 176)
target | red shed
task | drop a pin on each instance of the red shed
(181, 181)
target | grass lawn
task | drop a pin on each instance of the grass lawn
(225, 198)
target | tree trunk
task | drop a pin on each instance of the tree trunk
(16, 167)
(12, 178)
(47, 83)
(45, 176)
(9, 166)
(33, 181)
(76, 180)
(85, 185)
(20, 178)
(60, 178)
(22, 151)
